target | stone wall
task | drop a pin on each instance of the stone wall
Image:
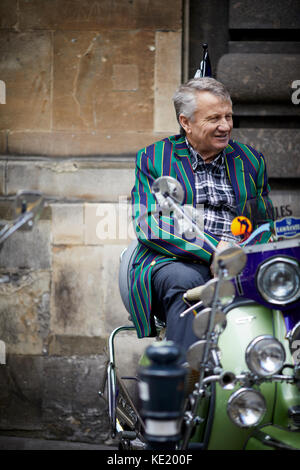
(84, 77)
(88, 83)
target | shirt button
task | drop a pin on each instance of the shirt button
(152, 263)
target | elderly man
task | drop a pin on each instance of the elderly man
(216, 172)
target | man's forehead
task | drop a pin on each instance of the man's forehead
(211, 102)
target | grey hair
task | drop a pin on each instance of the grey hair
(184, 98)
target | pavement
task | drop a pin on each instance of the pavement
(24, 443)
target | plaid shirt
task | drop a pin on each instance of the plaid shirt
(214, 191)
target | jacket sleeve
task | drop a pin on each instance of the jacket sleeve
(158, 231)
(264, 209)
(264, 202)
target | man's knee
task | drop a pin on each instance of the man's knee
(182, 276)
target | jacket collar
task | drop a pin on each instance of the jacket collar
(233, 161)
(181, 149)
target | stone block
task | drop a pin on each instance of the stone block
(259, 77)
(25, 67)
(89, 180)
(87, 68)
(8, 13)
(66, 345)
(53, 397)
(85, 298)
(72, 409)
(108, 223)
(3, 142)
(2, 92)
(100, 14)
(264, 47)
(67, 144)
(281, 148)
(28, 249)
(76, 295)
(61, 382)
(125, 77)
(67, 224)
(167, 79)
(21, 389)
(25, 311)
(2, 177)
(113, 311)
(285, 110)
(254, 14)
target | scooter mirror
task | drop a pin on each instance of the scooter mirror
(28, 201)
(167, 186)
(225, 296)
(233, 259)
(201, 322)
(195, 354)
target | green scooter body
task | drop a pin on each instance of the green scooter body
(244, 323)
(281, 433)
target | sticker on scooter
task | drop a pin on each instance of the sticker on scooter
(244, 320)
(288, 227)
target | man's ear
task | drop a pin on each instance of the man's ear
(184, 122)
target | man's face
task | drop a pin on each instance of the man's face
(210, 128)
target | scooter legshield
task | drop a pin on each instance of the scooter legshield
(245, 321)
(282, 434)
(274, 438)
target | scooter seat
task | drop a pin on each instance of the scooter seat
(126, 261)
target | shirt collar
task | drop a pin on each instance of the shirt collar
(196, 157)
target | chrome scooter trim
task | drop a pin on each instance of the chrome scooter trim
(207, 348)
(111, 376)
(272, 246)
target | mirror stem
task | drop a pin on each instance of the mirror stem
(7, 231)
(180, 211)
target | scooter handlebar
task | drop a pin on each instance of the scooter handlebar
(194, 294)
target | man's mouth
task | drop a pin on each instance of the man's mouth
(222, 137)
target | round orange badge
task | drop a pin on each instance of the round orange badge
(241, 225)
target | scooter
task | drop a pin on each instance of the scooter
(240, 388)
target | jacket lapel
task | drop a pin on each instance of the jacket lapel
(235, 169)
(184, 171)
(236, 172)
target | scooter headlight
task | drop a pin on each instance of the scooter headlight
(278, 280)
(265, 355)
(246, 407)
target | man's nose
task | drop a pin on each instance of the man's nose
(224, 124)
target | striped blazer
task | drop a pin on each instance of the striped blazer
(157, 236)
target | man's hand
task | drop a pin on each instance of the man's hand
(222, 245)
